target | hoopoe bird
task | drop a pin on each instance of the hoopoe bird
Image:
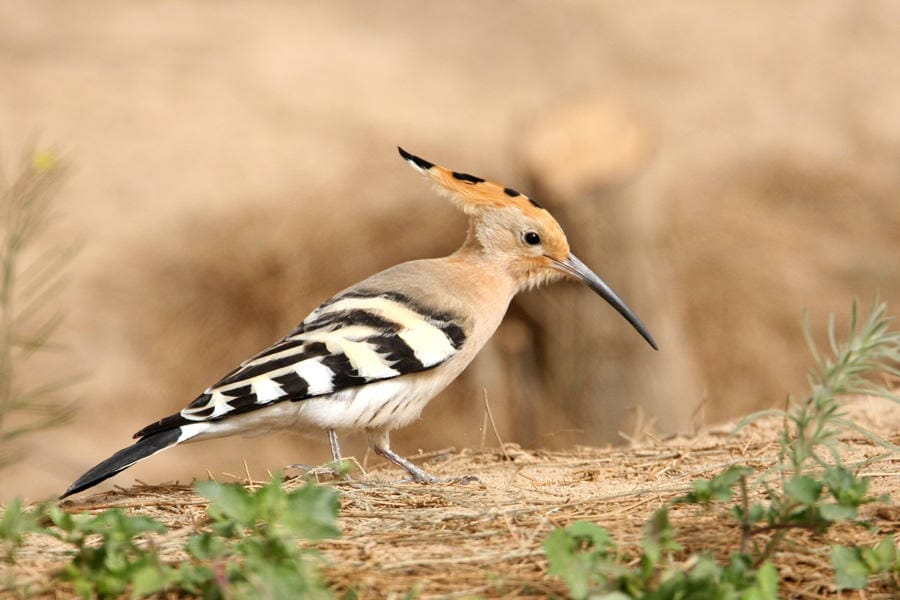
(371, 357)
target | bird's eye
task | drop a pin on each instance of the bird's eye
(531, 238)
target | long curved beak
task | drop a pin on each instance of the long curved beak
(572, 266)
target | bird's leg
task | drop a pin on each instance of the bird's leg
(381, 445)
(416, 474)
(380, 441)
(335, 446)
(336, 466)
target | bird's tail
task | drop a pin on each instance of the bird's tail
(124, 458)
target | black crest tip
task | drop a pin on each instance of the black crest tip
(421, 163)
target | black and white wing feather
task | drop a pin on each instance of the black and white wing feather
(355, 338)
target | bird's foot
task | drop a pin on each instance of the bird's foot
(466, 480)
(339, 470)
(460, 480)
(417, 474)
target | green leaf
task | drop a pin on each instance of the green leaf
(148, 579)
(352, 594)
(560, 550)
(850, 570)
(596, 536)
(574, 554)
(228, 501)
(887, 552)
(206, 547)
(62, 519)
(15, 523)
(342, 467)
(701, 493)
(764, 585)
(767, 577)
(196, 579)
(757, 513)
(259, 552)
(115, 524)
(719, 488)
(311, 512)
(83, 587)
(882, 558)
(845, 486)
(660, 533)
(837, 512)
(803, 489)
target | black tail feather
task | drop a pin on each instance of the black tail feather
(124, 458)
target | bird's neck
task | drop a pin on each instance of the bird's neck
(483, 286)
(492, 264)
(478, 270)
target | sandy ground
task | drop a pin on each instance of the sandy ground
(233, 164)
(484, 539)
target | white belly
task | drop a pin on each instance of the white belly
(382, 405)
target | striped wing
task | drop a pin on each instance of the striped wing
(353, 339)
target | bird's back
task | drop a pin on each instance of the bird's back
(396, 323)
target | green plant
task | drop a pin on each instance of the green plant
(249, 550)
(252, 543)
(15, 523)
(855, 565)
(808, 489)
(110, 551)
(29, 280)
(585, 557)
(122, 558)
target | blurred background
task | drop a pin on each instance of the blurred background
(723, 165)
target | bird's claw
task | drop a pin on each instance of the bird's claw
(330, 470)
(430, 480)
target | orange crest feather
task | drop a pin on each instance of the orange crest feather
(472, 194)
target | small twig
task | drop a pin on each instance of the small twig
(434, 453)
(247, 472)
(488, 559)
(769, 548)
(487, 408)
(745, 515)
(139, 505)
(698, 414)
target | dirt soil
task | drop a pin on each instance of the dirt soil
(485, 538)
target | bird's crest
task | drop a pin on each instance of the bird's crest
(472, 194)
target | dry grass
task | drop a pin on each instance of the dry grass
(485, 538)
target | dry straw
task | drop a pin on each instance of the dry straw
(485, 539)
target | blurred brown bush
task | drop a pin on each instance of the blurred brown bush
(723, 166)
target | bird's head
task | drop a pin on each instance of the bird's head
(513, 229)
